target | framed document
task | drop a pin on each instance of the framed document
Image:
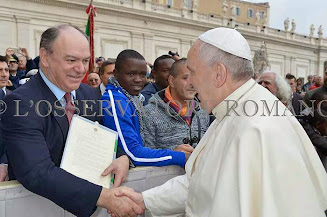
(90, 148)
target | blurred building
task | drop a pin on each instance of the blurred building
(241, 11)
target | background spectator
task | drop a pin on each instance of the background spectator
(295, 97)
(318, 83)
(106, 71)
(307, 85)
(160, 72)
(93, 80)
(277, 85)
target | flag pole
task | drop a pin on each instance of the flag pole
(91, 12)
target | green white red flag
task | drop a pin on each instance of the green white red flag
(91, 12)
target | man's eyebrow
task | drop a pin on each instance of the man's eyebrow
(71, 56)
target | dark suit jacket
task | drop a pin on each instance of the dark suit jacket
(4, 157)
(295, 103)
(98, 90)
(8, 91)
(35, 141)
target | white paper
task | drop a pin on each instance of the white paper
(89, 150)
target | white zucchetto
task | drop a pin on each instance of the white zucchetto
(228, 40)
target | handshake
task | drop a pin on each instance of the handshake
(121, 201)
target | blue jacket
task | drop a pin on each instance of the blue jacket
(121, 116)
(148, 91)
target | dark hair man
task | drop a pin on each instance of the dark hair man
(4, 77)
(124, 101)
(160, 71)
(106, 71)
(173, 117)
(35, 155)
(295, 97)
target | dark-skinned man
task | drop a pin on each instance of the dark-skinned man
(160, 71)
(122, 108)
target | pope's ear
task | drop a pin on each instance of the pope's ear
(220, 74)
(44, 57)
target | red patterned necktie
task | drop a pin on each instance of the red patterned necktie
(69, 108)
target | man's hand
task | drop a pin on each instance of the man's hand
(119, 167)
(9, 83)
(24, 52)
(176, 57)
(3, 173)
(118, 206)
(131, 194)
(186, 148)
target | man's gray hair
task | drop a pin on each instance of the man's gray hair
(239, 68)
(283, 89)
(50, 35)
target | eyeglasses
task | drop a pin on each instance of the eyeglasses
(93, 79)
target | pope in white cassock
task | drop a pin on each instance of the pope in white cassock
(255, 160)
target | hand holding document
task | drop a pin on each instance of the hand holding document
(90, 148)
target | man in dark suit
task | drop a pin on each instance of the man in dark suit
(4, 78)
(296, 98)
(40, 113)
(106, 71)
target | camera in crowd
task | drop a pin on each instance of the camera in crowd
(173, 54)
(191, 141)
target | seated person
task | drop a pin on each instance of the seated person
(122, 110)
(172, 115)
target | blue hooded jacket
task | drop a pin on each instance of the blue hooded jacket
(120, 115)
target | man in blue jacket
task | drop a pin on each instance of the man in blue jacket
(122, 110)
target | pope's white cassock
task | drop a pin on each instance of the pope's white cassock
(259, 166)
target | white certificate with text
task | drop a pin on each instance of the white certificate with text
(90, 148)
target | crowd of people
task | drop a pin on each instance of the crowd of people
(162, 112)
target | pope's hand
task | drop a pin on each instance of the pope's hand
(118, 206)
(119, 167)
(131, 194)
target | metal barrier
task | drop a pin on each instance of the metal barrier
(16, 201)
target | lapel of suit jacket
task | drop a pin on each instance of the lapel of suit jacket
(57, 111)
